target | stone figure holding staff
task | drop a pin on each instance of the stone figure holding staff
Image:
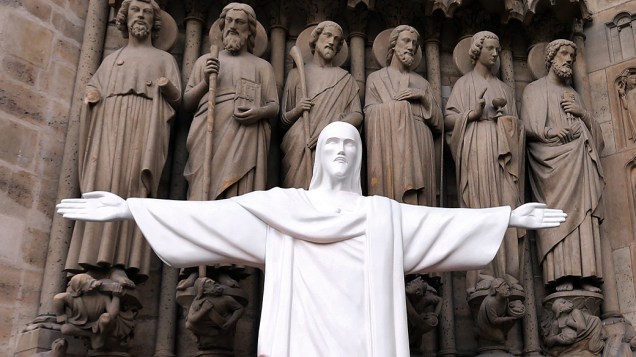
(330, 94)
(335, 259)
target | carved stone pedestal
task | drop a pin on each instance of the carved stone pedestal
(38, 341)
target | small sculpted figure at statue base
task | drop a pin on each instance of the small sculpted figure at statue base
(497, 310)
(212, 316)
(101, 311)
(423, 306)
(570, 331)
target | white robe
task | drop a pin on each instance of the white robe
(280, 230)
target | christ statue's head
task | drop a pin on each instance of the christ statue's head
(338, 156)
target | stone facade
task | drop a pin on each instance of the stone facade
(40, 68)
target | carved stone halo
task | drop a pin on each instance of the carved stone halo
(462, 58)
(381, 48)
(260, 45)
(168, 33)
(303, 43)
(536, 60)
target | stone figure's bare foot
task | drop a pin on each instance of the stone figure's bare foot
(58, 348)
(590, 287)
(187, 282)
(119, 275)
(565, 286)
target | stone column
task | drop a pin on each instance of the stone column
(581, 78)
(507, 64)
(610, 307)
(357, 19)
(278, 53)
(37, 337)
(167, 322)
(447, 318)
(61, 229)
(531, 339)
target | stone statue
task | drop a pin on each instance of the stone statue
(626, 92)
(124, 134)
(332, 94)
(401, 116)
(213, 314)
(564, 142)
(497, 314)
(573, 332)
(315, 291)
(246, 99)
(486, 142)
(423, 306)
(95, 309)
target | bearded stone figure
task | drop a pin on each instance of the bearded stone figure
(401, 117)
(332, 95)
(241, 128)
(564, 142)
(124, 135)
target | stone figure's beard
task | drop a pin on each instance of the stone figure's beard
(233, 43)
(139, 30)
(562, 71)
(406, 58)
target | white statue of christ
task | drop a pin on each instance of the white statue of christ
(334, 260)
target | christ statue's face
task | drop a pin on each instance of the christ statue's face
(339, 154)
(327, 42)
(236, 31)
(140, 18)
(405, 47)
(489, 52)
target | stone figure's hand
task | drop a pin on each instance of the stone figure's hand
(570, 106)
(305, 104)
(564, 134)
(248, 115)
(478, 110)
(117, 290)
(410, 94)
(99, 206)
(92, 96)
(212, 65)
(536, 215)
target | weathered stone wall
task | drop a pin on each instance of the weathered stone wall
(39, 50)
(608, 53)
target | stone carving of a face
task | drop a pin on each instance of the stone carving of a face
(338, 157)
(406, 47)
(140, 19)
(328, 41)
(489, 52)
(236, 31)
(562, 62)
